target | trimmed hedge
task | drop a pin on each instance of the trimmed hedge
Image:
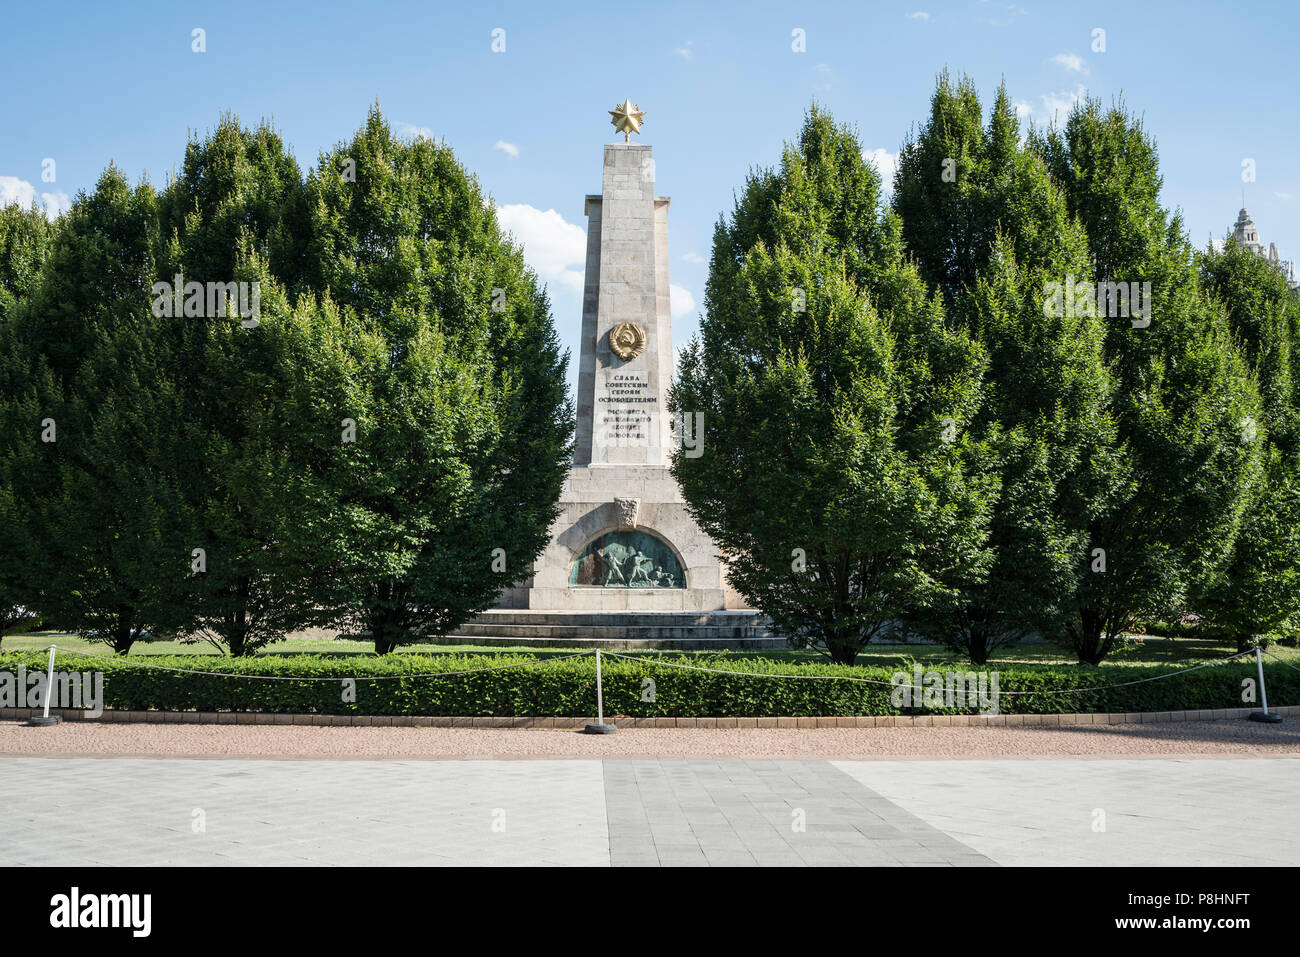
(567, 688)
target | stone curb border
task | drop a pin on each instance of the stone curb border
(867, 721)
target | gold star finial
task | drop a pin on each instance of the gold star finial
(627, 119)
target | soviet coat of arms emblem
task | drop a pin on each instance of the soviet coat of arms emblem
(627, 340)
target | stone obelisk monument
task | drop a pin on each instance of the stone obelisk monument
(624, 541)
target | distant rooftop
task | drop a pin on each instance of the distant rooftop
(1245, 232)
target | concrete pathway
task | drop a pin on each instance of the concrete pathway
(1117, 812)
(115, 811)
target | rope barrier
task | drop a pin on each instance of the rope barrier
(51, 649)
(1280, 660)
(890, 684)
(660, 663)
(36, 655)
(419, 674)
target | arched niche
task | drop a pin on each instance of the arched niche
(627, 558)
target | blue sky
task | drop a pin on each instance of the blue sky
(85, 84)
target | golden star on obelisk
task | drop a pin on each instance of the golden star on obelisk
(627, 119)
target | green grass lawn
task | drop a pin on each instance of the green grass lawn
(1153, 650)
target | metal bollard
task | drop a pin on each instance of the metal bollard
(1265, 715)
(46, 720)
(600, 727)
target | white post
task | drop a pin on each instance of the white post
(1259, 663)
(599, 692)
(1265, 715)
(50, 683)
(46, 719)
(600, 727)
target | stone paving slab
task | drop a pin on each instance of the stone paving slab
(648, 812)
(1178, 812)
(133, 812)
(728, 813)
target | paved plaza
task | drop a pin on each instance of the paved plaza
(648, 812)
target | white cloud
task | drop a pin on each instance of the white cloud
(1071, 61)
(410, 131)
(508, 148)
(693, 258)
(919, 15)
(886, 163)
(56, 204)
(685, 51)
(15, 190)
(1010, 12)
(1282, 196)
(556, 249)
(1056, 106)
(1023, 109)
(681, 302)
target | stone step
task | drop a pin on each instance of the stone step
(621, 619)
(593, 632)
(618, 630)
(623, 644)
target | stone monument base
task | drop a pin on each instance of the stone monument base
(619, 501)
(618, 631)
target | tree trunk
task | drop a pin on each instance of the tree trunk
(386, 633)
(123, 637)
(842, 647)
(239, 645)
(1246, 642)
(383, 616)
(1088, 644)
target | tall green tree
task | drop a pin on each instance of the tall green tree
(238, 190)
(963, 185)
(1052, 448)
(1264, 315)
(263, 383)
(990, 229)
(1183, 393)
(25, 237)
(89, 501)
(835, 400)
(463, 424)
(1257, 592)
(266, 517)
